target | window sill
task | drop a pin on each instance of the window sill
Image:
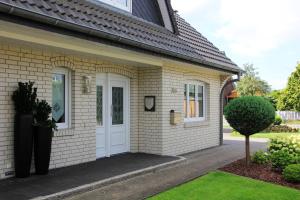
(64, 132)
(192, 124)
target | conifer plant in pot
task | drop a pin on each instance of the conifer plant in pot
(24, 101)
(43, 133)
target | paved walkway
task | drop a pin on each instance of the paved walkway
(197, 164)
(70, 177)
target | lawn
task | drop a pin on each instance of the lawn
(266, 135)
(225, 186)
(293, 122)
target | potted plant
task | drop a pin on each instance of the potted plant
(43, 133)
(24, 100)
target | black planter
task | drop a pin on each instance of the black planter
(42, 149)
(23, 142)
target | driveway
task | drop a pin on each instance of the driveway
(197, 164)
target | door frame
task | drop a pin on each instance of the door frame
(105, 79)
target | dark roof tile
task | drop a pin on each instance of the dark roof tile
(190, 45)
(202, 46)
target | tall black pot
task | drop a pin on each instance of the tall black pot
(23, 143)
(42, 149)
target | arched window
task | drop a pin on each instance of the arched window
(61, 84)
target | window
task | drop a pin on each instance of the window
(60, 98)
(122, 4)
(194, 102)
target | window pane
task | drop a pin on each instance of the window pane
(99, 105)
(58, 98)
(192, 92)
(185, 101)
(122, 2)
(201, 100)
(117, 105)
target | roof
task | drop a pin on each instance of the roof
(201, 45)
(113, 24)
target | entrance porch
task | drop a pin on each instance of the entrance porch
(101, 172)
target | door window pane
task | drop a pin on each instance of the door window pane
(99, 105)
(185, 100)
(58, 98)
(192, 93)
(117, 105)
(201, 101)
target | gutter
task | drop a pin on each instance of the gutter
(24, 13)
(222, 105)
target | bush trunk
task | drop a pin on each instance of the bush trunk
(248, 156)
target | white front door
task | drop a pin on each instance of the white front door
(112, 107)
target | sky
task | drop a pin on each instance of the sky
(265, 33)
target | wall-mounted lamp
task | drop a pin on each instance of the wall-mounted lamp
(87, 84)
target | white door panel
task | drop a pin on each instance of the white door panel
(112, 127)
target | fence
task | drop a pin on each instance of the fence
(289, 115)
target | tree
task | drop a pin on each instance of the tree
(290, 98)
(249, 115)
(251, 84)
(274, 96)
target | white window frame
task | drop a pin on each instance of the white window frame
(67, 74)
(195, 119)
(118, 5)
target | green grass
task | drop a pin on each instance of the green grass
(266, 135)
(292, 122)
(224, 186)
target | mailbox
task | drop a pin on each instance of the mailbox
(175, 117)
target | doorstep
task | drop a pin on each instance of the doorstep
(63, 182)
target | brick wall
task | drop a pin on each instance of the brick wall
(76, 144)
(150, 123)
(150, 132)
(188, 137)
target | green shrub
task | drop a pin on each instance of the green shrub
(24, 98)
(261, 157)
(280, 159)
(249, 115)
(281, 129)
(284, 152)
(290, 144)
(278, 120)
(292, 173)
(42, 113)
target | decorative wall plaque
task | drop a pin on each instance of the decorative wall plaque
(150, 103)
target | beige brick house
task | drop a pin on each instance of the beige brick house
(113, 72)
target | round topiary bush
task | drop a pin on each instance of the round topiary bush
(278, 120)
(249, 115)
(292, 173)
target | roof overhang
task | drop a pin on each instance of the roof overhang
(43, 21)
